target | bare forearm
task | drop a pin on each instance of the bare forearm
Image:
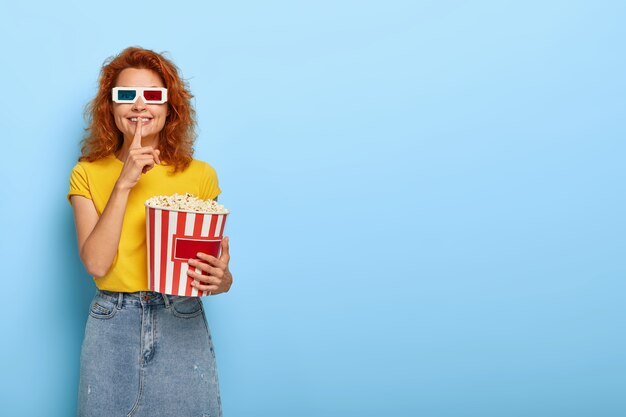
(101, 246)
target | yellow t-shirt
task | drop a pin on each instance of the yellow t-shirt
(95, 180)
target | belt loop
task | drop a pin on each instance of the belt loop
(120, 300)
(166, 300)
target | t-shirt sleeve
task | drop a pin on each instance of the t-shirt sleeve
(209, 187)
(78, 183)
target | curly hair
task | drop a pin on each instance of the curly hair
(177, 137)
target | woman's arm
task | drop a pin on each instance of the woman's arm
(99, 236)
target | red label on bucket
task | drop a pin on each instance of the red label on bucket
(185, 248)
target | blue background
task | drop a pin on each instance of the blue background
(427, 200)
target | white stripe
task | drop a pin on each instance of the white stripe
(157, 249)
(169, 272)
(206, 223)
(190, 219)
(218, 226)
(184, 278)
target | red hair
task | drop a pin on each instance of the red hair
(178, 135)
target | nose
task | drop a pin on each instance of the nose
(139, 105)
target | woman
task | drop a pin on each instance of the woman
(144, 353)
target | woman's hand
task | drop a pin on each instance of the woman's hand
(216, 277)
(139, 161)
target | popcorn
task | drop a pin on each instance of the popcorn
(187, 202)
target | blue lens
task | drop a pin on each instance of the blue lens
(126, 94)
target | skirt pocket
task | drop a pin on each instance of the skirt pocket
(102, 309)
(186, 307)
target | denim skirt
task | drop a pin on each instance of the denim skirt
(147, 354)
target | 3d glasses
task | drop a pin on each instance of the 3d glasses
(150, 95)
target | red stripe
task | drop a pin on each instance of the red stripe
(165, 220)
(180, 230)
(213, 225)
(152, 243)
(197, 225)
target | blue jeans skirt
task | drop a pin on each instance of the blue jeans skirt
(147, 354)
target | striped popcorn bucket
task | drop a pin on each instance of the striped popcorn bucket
(173, 238)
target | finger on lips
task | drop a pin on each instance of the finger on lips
(137, 138)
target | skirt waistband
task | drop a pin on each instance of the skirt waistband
(138, 298)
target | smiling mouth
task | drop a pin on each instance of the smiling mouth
(144, 120)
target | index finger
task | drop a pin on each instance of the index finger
(136, 143)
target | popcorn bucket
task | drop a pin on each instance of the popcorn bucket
(174, 237)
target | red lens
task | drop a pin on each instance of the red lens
(152, 95)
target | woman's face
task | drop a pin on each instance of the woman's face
(127, 115)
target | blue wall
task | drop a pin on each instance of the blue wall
(427, 200)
